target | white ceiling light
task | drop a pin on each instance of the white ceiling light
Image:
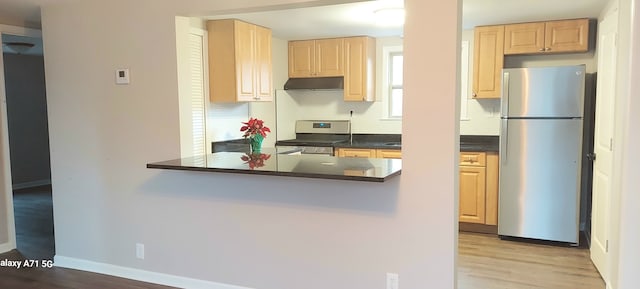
(389, 17)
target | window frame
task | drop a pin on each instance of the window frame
(387, 53)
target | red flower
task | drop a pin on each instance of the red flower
(255, 160)
(254, 127)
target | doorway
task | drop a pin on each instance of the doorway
(26, 110)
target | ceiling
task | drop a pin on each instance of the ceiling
(357, 18)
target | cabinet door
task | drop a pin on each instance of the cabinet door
(567, 35)
(222, 66)
(264, 81)
(245, 37)
(389, 154)
(524, 38)
(356, 153)
(329, 57)
(488, 61)
(472, 194)
(359, 78)
(301, 58)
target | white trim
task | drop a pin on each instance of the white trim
(32, 184)
(139, 275)
(6, 247)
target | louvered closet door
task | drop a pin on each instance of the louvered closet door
(198, 112)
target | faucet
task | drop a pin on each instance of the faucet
(350, 127)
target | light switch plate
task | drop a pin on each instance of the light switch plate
(122, 76)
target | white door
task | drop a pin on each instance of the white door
(603, 142)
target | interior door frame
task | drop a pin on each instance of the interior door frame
(6, 189)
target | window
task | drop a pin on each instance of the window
(395, 84)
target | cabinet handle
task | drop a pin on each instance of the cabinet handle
(547, 49)
(542, 49)
(474, 95)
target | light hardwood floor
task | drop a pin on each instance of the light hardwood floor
(486, 262)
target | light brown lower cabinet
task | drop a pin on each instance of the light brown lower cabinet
(369, 153)
(478, 206)
(388, 154)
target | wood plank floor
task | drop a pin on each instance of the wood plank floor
(33, 210)
(486, 262)
(61, 278)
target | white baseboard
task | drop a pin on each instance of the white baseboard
(31, 184)
(6, 247)
(140, 275)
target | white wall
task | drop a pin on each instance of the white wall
(254, 231)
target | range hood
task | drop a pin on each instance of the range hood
(315, 83)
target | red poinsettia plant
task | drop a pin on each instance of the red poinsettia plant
(254, 127)
(255, 160)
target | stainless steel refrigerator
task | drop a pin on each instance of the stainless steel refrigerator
(541, 152)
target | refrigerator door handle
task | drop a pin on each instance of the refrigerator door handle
(505, 94)
(504, 140)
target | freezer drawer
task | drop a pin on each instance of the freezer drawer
(540, 179)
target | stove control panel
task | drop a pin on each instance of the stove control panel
(321, 125)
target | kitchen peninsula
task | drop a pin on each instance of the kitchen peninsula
(279, 163)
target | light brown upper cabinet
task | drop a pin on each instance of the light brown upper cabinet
(359, 76)
(488, 60)
(316, 58)
(547, 37)
(240, 67)
(351, 57)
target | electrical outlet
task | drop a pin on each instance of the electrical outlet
(392, 280)
(139, 251)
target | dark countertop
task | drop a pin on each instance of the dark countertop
(373, 141)
(479, 143)
(304, 166)
(468, 143)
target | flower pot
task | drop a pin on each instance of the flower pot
(256, 143)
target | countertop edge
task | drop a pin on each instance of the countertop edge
(282, 174)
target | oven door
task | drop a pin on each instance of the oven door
(304, 150)
(311, 150)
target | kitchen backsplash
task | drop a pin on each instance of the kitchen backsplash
(368, 117)
(483, 117)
